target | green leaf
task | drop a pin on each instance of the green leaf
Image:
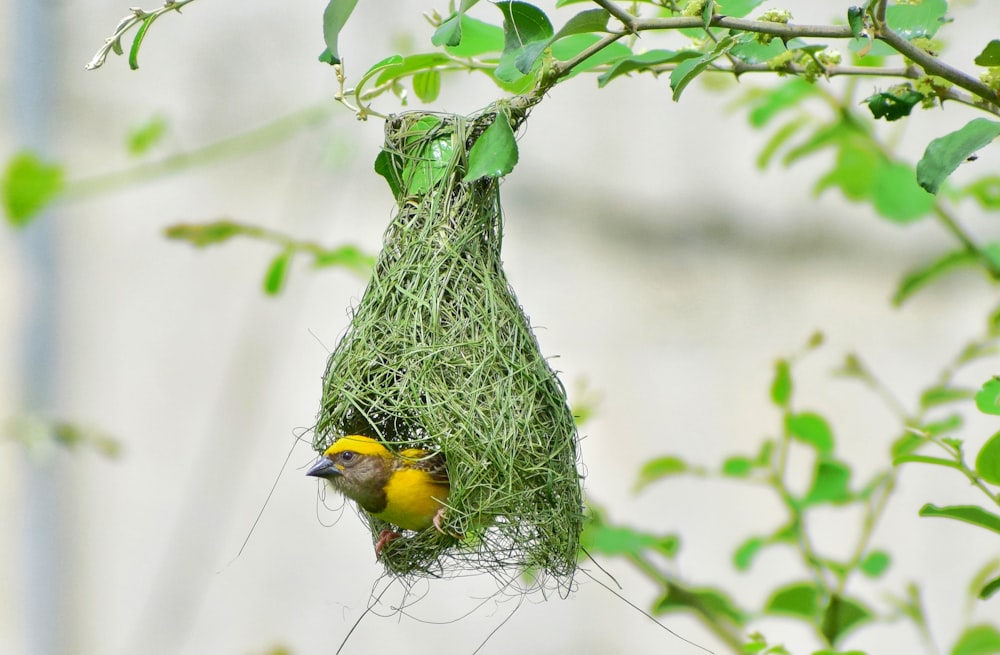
(145, 136)
(494, 154)
(598, 537)
(926, 459)
(967, 513)
(856, 19)
(892, 107)
(737, 467)
(988, 460)
(591, 20)
(644, 61)
(936, 396)
(978, 640)
(395, 67)
(349, 257)
(478, 38)
(782, 97)
(689, 69)
(842, 615)
(990, 588)
(755, 52)
(810, 428)
(856, 167)
(990, 56)
(831, 481)
(744, 555)
(140, 36)
(737, 8)
(28, 185)
(277, 272)
(875, 564)
(917, 20)
(988, 398)
(527, 31)
(713, 604)
(986, 191)
(449, 32)
(706, 13)
(387, 165)
(921, 277)
(944, 154)
(427, 85)
(948, 424)
(781, 387)
(204, 234)
(778, 139)
(334, 18)
(897, 196)
(659, 468)
(800, 600)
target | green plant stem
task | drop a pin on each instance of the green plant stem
(873, 513)
(240, 144)
(136, 17)
(951, 224)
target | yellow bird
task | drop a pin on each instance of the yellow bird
(407, 489)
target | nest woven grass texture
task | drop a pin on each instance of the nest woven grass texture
(439, 355)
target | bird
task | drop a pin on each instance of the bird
(407, 489)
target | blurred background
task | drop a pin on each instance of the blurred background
(664, 274)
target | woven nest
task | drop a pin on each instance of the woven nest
(440, 355)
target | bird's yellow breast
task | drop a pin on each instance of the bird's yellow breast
(412, 499)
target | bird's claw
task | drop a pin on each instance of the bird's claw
(438, 518)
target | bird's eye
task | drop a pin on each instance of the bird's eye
(346, 456)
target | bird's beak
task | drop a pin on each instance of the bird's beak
(324, 468)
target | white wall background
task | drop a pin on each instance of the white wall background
(662, 269)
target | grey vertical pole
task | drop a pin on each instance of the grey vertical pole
(42, 558)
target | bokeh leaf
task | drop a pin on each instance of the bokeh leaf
(28, 185)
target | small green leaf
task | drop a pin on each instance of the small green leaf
(449, 32)
(917, 20)
(689, 69)
(810, 428)
(599, 537)
(744, 555)
(990, 588)
(944, 154)
(706, 13)
(926, 459)
(782, 97)
(28, 185)
(737, 8)
(896, 194)
(737, 467)
(988, 398)
(478, 38)
(936, 396)
(204, 234)
(967, 513)
(659, 468)
(842, 615)
(277, 272)
(831, 481)
(990, 56)
(986, 191)
(781, 387)
(778, 139)
(349, 257)
(527, 31)
(875, 564)
(988, 460)
(856, 19)
(948, 424)
(978, 640)
(334, 18)
(427, 85)
(892, 107)
(713, 604)
(569, 47)
(142, 138)
(644, 61)
(494, 154)
(140, 35)
(393, 68)
(591, 20)
(800, 600)
(921, 277)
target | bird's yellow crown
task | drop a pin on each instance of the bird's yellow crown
(357, 443)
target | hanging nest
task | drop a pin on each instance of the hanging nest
(440, 355)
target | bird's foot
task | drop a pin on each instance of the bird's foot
(384, 538)
(438, 518)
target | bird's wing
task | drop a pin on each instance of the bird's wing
(433, 463)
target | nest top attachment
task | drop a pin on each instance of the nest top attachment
(439, 355)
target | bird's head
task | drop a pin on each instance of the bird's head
(357, 467)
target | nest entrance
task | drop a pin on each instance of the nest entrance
(440, 355)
